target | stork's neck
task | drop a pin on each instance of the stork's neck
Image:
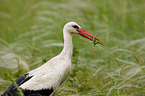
(68, 46)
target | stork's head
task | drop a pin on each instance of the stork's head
(73, 27)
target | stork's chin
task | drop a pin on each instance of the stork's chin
(88, 35)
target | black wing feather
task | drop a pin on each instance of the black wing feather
(12, 90)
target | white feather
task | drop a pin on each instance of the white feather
(48, 76)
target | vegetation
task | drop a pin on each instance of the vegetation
(31, 34)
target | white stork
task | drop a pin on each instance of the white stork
(45, 79)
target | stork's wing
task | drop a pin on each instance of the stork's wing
(12, 90)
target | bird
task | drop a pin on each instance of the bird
(44, 80)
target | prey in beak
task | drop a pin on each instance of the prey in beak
(88, 35)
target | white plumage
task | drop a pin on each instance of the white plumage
(46, 78)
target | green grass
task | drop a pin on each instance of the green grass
(31, 34)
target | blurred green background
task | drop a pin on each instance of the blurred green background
(31, 34)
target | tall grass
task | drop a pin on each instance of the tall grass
(31, 33)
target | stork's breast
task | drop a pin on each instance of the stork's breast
(64, 72)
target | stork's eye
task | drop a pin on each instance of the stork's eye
(75, 26)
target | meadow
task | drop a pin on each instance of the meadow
(31, 34)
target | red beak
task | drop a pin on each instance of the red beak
(88, 35)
